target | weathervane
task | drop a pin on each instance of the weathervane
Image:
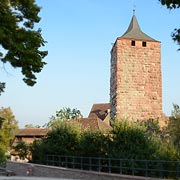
(134, 7)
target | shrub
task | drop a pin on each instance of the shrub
(127, 140)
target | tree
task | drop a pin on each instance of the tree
(22, 150)
(94, 143)
(32, 126)
(173, 127)
(2, 87)
(64, 114)
(132, 141)
(176, 111)
(9, 126)
(173, 4)
(127, 140)
(2, 152)
(1, 122)
(63, 140)
(19, 40)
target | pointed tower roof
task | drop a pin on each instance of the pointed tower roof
(134, 31)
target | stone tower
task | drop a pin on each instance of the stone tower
(136, 83)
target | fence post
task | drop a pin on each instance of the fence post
(59, 161)
(120, 166)
(46, 160)
(90, 164)
(132, 166)
(161, 169)
(146, 168)
(99, 164)
(66, 161)
(53, 160)
(177, 169)
(73, 162)
(81, 162)
(109, 164)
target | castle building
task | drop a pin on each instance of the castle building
(136, 82)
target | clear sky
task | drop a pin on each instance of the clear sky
(77, 74)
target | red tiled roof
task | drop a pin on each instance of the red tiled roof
(93, 124)
(99, 111)
(33, 132)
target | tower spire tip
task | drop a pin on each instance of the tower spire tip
(134, 8)
(134, 11)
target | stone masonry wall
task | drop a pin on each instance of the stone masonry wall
(136, 83)
(36, 170)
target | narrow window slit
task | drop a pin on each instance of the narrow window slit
(144, 44)
(133, 43)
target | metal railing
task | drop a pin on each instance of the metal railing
(3, 164)
(147, 168)
(3, 168)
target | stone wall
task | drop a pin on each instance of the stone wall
(136, 82)
(28, 169)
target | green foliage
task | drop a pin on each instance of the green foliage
(131, 141)
(166, 151)
(32, 126)
(1, 122)
(62, 140)
(2, 155)
(9, 126)
(173, 127)
(176, 111)
(39, 150)
(172, 4)
(19, 38)
(2, 148)
(152, 128)
(127, 140)
(22, 150)
(2, 87)
(94, 144)
(64, 114)
(151, 125)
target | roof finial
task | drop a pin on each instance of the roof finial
(134, 7)
(134, 11)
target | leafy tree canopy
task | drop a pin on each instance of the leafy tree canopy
(173, 128)
(64, 114)
(127, 140)
(173, 4)
(2, 86)
(9, 126)
(22, 150)
(176, 111)
(32, 126)
(19, 40)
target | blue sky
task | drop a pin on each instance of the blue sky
(77, 74)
